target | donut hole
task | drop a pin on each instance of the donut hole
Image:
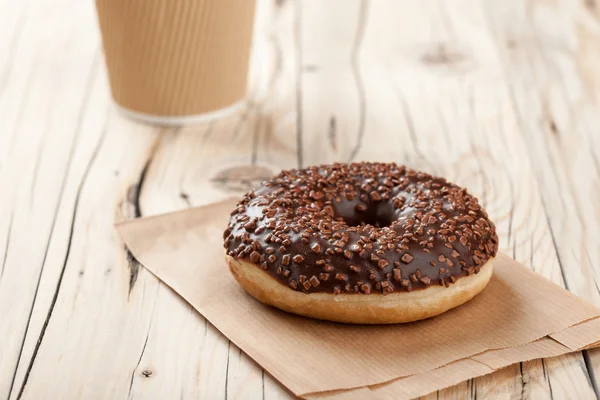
(376, 214)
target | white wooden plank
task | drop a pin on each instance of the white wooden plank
(86, 279)
(38, 135)
(331, 83)
(548, 58)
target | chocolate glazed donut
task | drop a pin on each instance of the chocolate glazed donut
(361, 243)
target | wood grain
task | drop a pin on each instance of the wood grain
(501, 97)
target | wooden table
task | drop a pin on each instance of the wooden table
(500, 96)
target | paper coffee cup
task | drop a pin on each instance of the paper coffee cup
(177, 61)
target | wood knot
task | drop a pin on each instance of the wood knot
(146, 373)
(553, 127)
(441, 54)
(590, 4)
(241, 178)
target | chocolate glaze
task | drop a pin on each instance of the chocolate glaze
(361, 228)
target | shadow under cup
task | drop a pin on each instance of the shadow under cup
(174, 62)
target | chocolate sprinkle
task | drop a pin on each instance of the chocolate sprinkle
(407, 258)
(254, 257)
(362, 222)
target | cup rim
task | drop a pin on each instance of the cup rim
(178, 120)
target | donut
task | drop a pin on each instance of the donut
(362, 243)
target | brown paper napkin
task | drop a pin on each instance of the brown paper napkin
(518, 317)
